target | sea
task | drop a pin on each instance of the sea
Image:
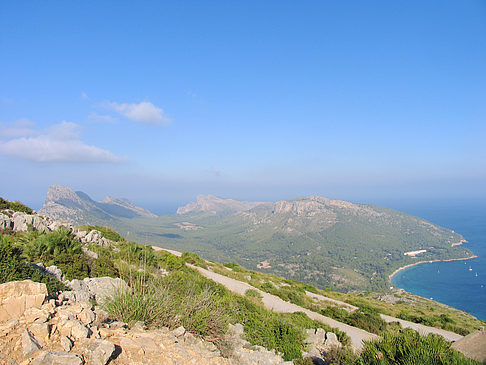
(460, 284)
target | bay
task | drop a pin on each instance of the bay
(460, 284)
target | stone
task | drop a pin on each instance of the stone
(473, 345)
(87, 316)
(179, 331)
(57, 358)
(18, 296)
(99, 352)
(331, 341)
(54, 271)
(29, 344)
(40, 330)
(80, 331)
(98, 289)
(66, 343)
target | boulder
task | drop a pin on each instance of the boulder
(57, 358)
(98, 352)
(5, 221)
(18, 296)
(29, 344)
(97, 289)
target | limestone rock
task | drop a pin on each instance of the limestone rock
(98, 352)
(331, 341)
(179, 331)
(29, 344)
(57, 358)
(18, 296)
(97, 289)
(66, 343)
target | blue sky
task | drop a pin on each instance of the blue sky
(160, 101)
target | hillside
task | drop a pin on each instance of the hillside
(63, 204)
(162, 292)
(328, 243)
(325, 242)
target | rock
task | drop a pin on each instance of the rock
(97, 289)
(5, 221)
(98, 352)
(40, 330)
(87, 316)
(179, 331)
(29, 344)
(74, 328)
(89, 253)
(54, 271)
(66, 343)
(18, 296)
(331, 341)
(244, 353)
(56, 358)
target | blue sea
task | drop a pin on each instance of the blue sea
(460, 284)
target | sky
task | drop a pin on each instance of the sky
(254, 100)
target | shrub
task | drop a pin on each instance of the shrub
(13, 267)
(73, 266)
(46, 247)
(193, 259)
(104, 266)
(15, 206)
(408, 347)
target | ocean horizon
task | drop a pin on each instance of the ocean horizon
(459, 284)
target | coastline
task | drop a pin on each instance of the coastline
(427, 262)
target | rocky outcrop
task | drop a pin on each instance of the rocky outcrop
(16, 297)
(214, 205)
(64, 204)
(97, 289)
(65, 332)
(318, 342)
(247, 354)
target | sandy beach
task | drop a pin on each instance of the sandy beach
(427, 262)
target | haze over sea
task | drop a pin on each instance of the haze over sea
(452, 283)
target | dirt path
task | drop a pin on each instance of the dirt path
(423, 330)
(349, 307)
(275, 304)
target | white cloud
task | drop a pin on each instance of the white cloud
(84, 96)
(60, 143)
(102, 118)
(144, 112)
(19, 128)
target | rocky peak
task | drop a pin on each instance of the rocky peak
(214, 205)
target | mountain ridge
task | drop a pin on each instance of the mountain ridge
(62, 203)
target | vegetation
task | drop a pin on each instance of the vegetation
(407, 306)
(14, 267)
(347, 248)
(106, 232)
(408, 347)
(15, 206)
(184, 297)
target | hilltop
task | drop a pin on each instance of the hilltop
(325, 242)
(64, 204)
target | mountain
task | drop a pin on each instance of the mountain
(325, 242)
(62, 203)
(314, 239)
(213, 205)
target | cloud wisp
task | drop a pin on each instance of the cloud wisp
(59, 143)
(143, 112)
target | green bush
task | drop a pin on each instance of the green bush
(13, 267)
(138, 254)
(15, 206)
(408, 347)
(73, 266)
(47, 246)
(193, 259)
(104, 266)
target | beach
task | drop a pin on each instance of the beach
(428, 262)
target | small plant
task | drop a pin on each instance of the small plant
(15, 206)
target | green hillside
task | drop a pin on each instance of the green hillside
(326, 243)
